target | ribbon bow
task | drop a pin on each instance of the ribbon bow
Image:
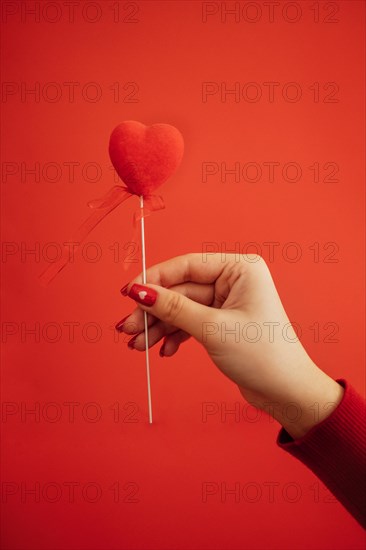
(101, 208)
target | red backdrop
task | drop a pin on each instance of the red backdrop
(270, 100)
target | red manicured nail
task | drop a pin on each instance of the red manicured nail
(143, 294)
(124, 290)
(161, 351)
(119, 325)
(131, 343)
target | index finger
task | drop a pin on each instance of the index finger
(180, 269)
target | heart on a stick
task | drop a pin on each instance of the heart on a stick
(144, 157)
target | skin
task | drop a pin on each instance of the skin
(206, 297)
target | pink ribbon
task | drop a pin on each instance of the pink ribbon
(101, 208)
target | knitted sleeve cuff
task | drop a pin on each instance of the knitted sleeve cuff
(335, 450)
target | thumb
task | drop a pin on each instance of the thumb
(174, 308)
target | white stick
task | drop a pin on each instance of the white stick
(145, 314)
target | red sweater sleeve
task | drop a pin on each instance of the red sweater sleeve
(335, 450)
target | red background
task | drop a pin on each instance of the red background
(169, 52)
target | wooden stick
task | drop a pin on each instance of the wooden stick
(145, 314)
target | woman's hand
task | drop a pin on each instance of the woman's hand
(233, 309)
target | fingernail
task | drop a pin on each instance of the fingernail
(161, 351)
(131, 343)
(143, 294)
(119, 325)
(124, 290)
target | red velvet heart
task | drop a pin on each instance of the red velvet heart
(145, 156)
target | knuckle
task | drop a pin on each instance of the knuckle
(173, 307)
(253, 258)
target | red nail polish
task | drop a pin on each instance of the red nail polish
(143, 294)
(161, 351)
(119, 325)
(124, 290)
(131, 343)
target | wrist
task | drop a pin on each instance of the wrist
(312, 407)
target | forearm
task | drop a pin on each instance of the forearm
(296, 393)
